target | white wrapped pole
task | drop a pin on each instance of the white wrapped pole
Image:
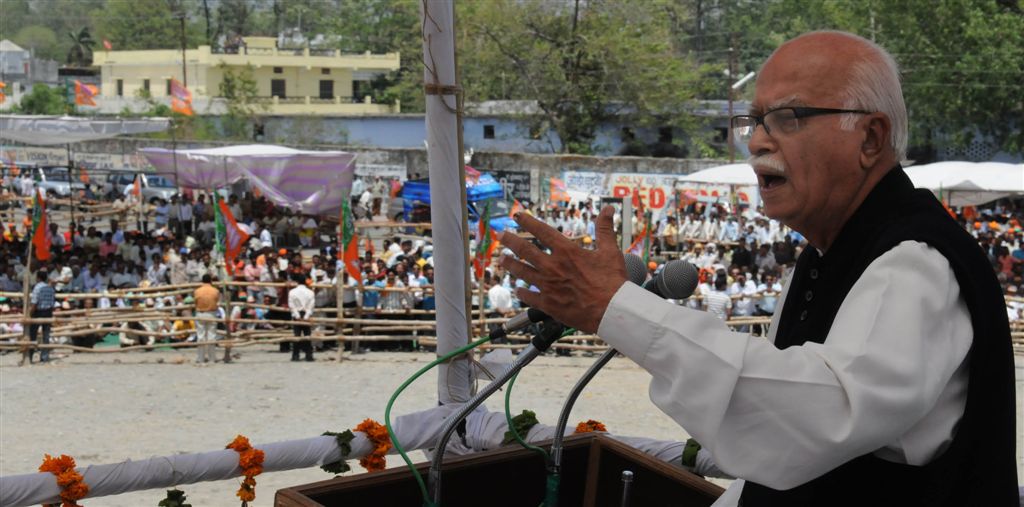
(419, 430)
(447, 197)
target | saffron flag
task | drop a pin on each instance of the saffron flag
(84, 94)
(181, 98)
(349, 248)
(559, 192)
(230, 237)
(137, 186)
(486, 242)
(517, 207)
(3, 97)
(40, 228)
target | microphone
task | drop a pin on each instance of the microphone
(677, 280)
(551, 331)
(636, 271)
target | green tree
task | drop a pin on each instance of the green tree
(43, 100)
(80, 54)
(587, 64)
(385, 26)
(144, 24)
(240, 92)
(38, 39)
(961, 60)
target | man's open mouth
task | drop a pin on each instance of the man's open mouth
(769, 181)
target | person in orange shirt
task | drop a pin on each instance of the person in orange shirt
(207, 298)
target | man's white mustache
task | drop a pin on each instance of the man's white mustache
(769, 162)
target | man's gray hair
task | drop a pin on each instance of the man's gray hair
(875, 86)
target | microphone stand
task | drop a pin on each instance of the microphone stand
(563, 417)
(550, 332)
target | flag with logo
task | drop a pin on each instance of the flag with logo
(349, 247)
(230, 238)
(486, 242)
(40, 228)
(559, 192)
(181, 98)
(84, 94)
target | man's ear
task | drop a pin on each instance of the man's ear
(876, 144)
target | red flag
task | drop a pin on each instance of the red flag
(107, 45)
(40, 228)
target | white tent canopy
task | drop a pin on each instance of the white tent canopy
(311, 182)
(732, 174)
(56, 130)
(969, 183)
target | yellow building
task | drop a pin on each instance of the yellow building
(290, 81)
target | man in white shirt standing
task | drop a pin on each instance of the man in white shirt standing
(301, 302)
(864, 391)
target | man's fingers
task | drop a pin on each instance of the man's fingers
(528, 297)
(520, 269)
(547, 235)
(523, 248)
(606, 228)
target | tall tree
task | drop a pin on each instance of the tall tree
(238, 88)
(385, 26)
(961, 60)
(586, 64)
(141, 24)
(80, 54)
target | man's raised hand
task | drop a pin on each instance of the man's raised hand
(575, 285)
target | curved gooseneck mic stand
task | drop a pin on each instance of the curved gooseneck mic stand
(550, 332)
(563, 417)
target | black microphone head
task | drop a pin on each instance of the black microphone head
(652, 286)
(636, 271)
(677, 280)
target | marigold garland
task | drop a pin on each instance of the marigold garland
(589, 426)
(72, 487)
(250, 460)
(378, 435)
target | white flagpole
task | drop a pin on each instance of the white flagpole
(447, 196)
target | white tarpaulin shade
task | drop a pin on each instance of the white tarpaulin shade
(732, 174)
(52, 130)
(969, 183)
(310, 182)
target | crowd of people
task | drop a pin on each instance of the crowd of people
(743, 260)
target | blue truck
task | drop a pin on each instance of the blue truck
(483, 193)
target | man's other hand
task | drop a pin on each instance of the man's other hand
(575, 284)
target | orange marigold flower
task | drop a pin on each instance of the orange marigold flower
(76, 491)
(589, 426)
(68, 477)
(240, 444)
(249, 459)
(56, 465)
(246, 495)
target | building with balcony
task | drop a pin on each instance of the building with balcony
(291, 82)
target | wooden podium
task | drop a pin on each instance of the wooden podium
(592, 466)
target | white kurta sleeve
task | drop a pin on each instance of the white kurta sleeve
(784, 417)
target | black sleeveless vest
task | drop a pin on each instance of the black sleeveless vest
(978, 468)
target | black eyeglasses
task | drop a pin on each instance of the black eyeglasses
(785, 120)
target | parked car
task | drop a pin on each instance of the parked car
(153, 186)
(56, 181)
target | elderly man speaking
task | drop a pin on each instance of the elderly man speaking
(887, 378)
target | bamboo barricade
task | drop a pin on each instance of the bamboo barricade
(355, 325)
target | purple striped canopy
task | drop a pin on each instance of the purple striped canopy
(310, 182)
